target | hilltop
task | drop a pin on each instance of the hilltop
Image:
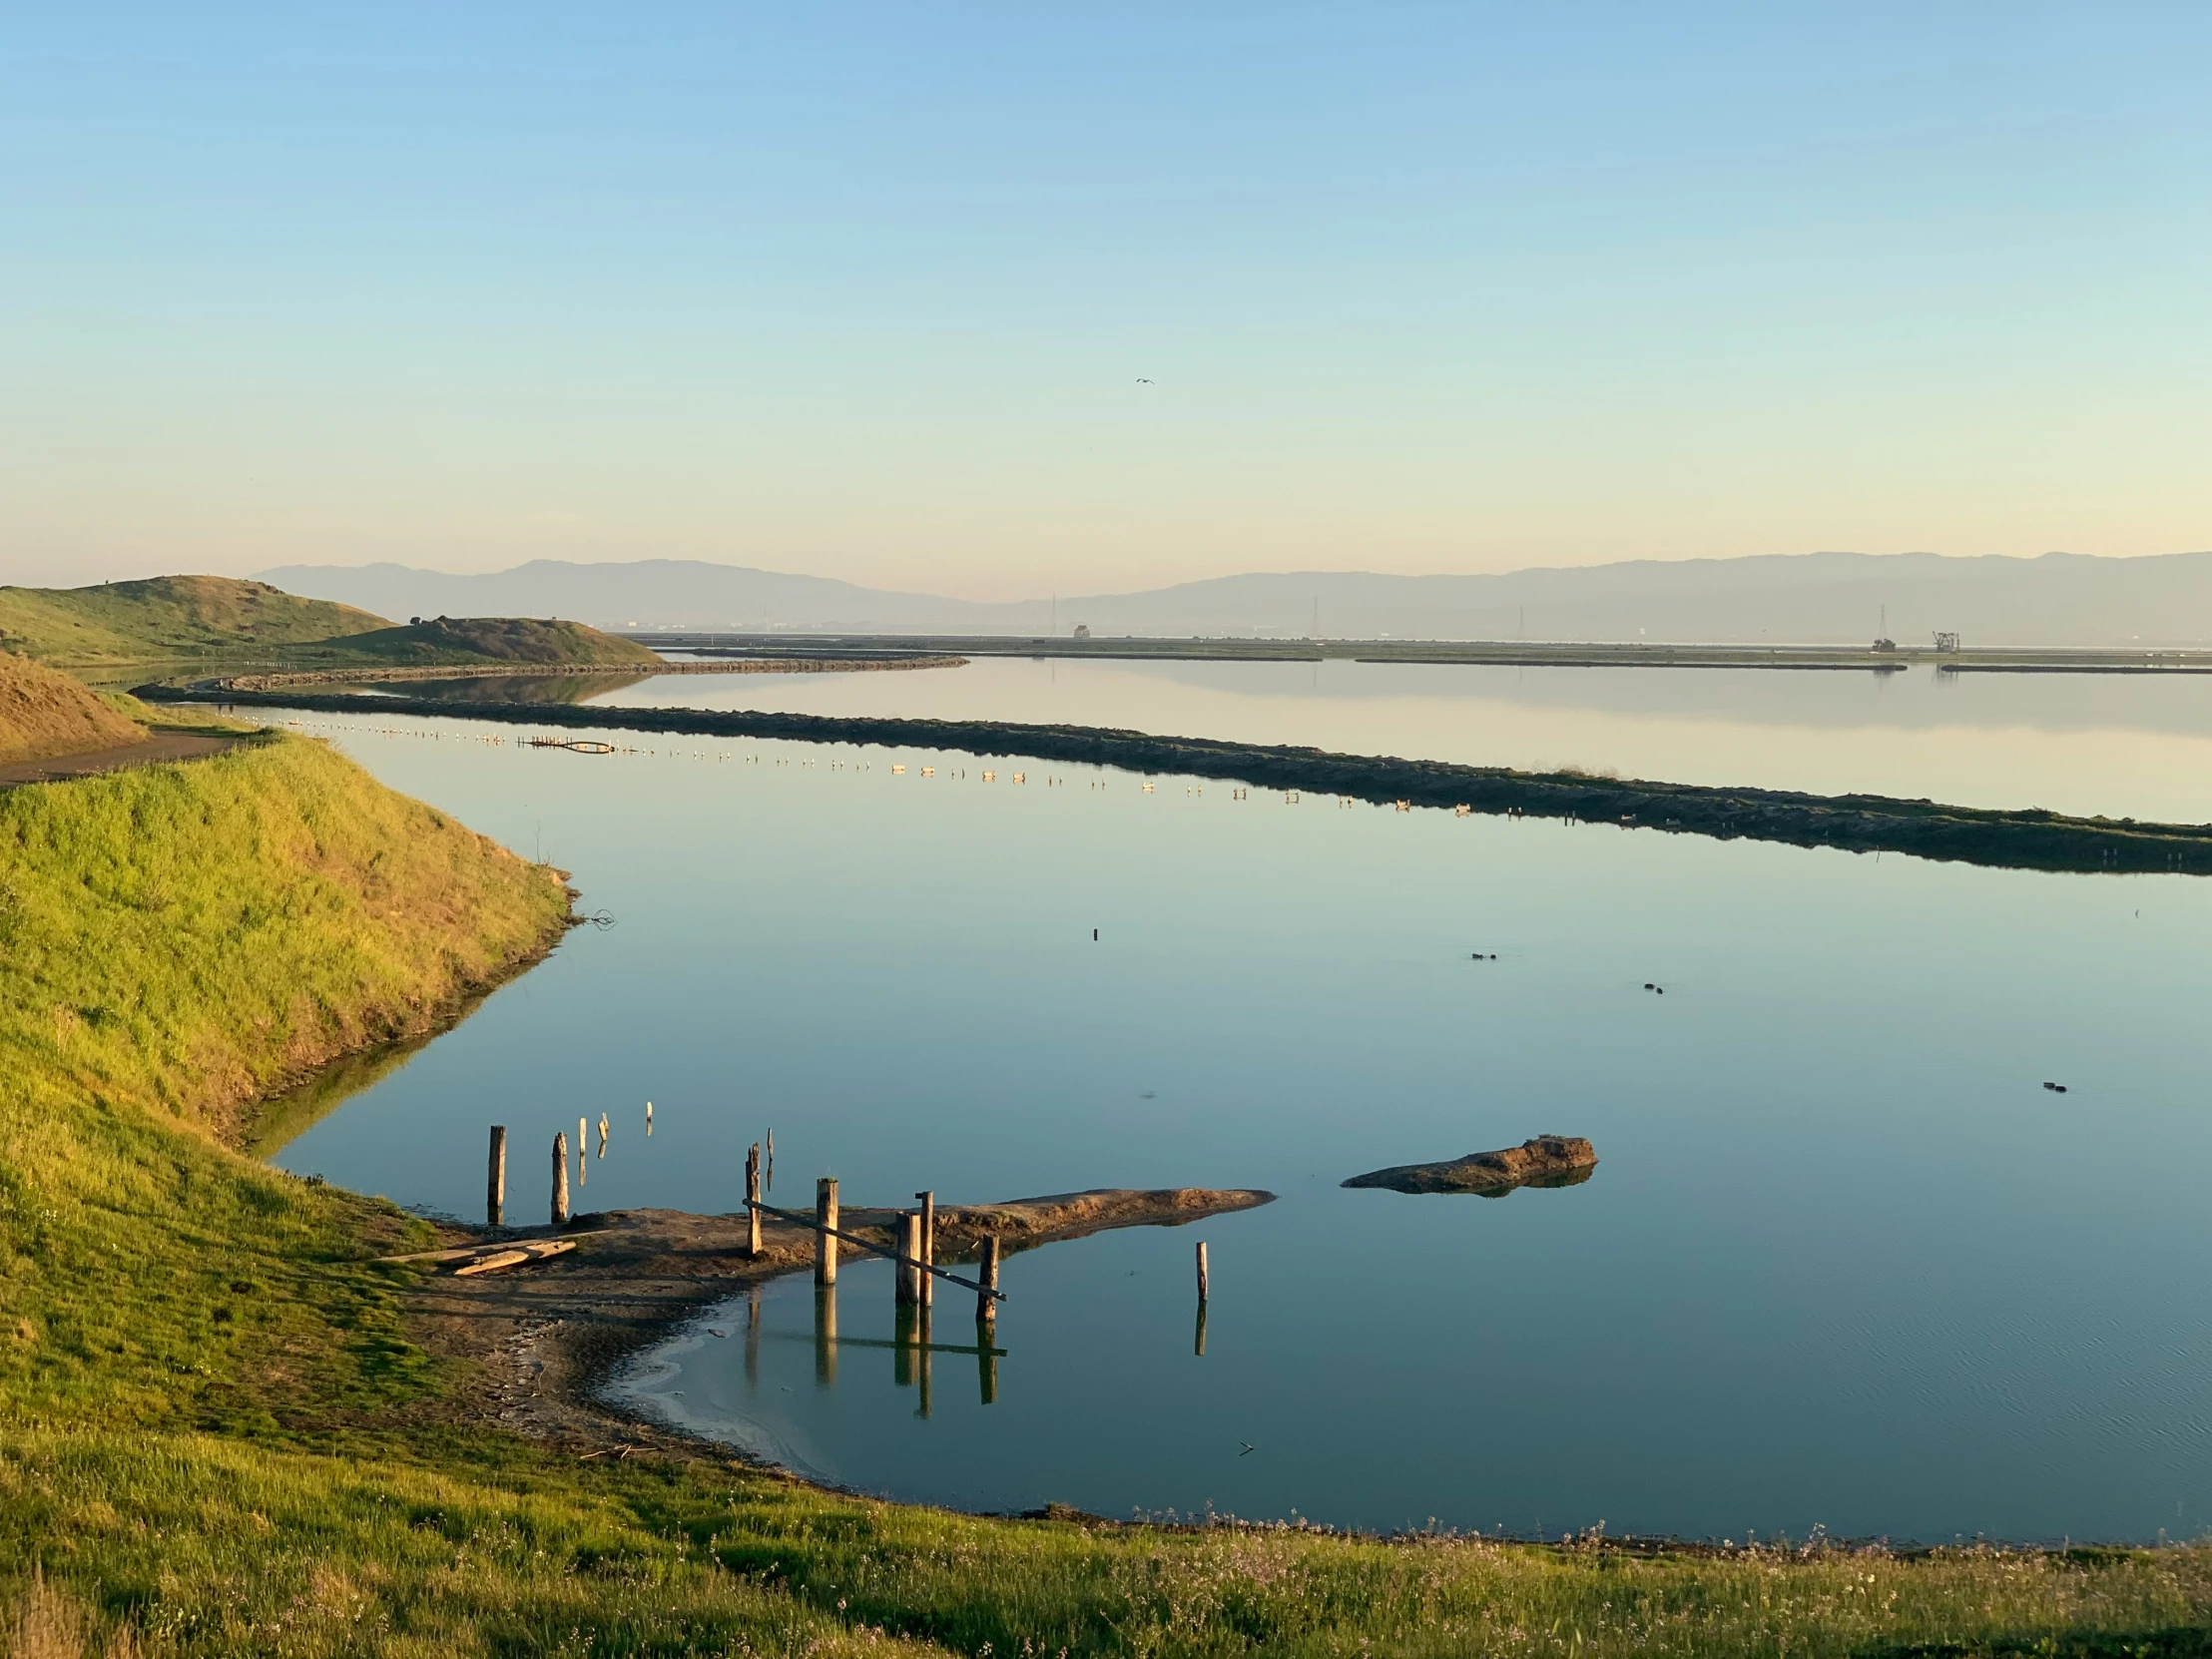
(496, 639)
(168, 616)
(44, 713)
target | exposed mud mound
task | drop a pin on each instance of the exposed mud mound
(1547, 1161)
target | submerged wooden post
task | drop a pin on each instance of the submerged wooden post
(925, 1283)
(495, 1177)
(908, 1277)
(1197, 1345)
(1202, 1273)
(752, 1334)
(752, 1200)
(826, 1217)
(902, 1345)
(921, 1353)
(560, 1180)
(986, 1301)
(826, 1334)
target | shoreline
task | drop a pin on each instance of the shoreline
(2023, 838)
(543, 1341)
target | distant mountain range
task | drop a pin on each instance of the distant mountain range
(1812, 597)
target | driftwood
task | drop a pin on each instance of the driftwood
(1547, 1161)
(531, 1249)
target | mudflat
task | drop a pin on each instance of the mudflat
(542, 1337)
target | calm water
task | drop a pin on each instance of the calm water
(2126, 744)
(1845, 1260)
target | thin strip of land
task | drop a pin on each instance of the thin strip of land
(512, 671)
(2022, 838)
(1491, 653)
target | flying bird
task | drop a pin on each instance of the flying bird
(1249, 1449)
(1142, 381)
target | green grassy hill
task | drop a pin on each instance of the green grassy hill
(217, 1437)
(44, 713)
(165, 617)
(444, 639)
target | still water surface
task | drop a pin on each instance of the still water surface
(2134, 746)
(1845, 1260)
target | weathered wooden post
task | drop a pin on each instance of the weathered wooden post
(826, 1218)
(582, 1153)
(1202, 1273)
(768, 1171)
(908, 1277)
(986, 1322)
(752, 1200)
(986, 1299)
(649, 1117)
(495, 1177)
(925, 1283)
(560, 1180)
(602, 1134)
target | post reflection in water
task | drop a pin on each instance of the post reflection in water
(1197, 1345)
(922, 1323)
(825, 1335)
(753, 1338)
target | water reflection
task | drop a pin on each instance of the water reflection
(1852, 1264)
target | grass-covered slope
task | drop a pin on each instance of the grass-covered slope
(166, 617)
(44, 713)
(217, 1437)
(489, 639)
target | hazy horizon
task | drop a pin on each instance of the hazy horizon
(988, 301)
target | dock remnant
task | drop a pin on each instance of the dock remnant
(826, 1231)
(1202, 1284)
(560, 1179)
(925, 1252)
(910, 1275)
(752, 1200)
(1544, 1161)
(495, 1177)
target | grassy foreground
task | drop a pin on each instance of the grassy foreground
(217, 1437)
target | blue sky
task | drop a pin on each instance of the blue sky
(869, 289)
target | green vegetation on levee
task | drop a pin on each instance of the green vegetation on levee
(438, 641)
(200, 624)
(166, 617)
(218, 1438)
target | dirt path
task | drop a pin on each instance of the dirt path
(161, 746)
(541, 1338)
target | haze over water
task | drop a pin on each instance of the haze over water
(1843, 1262)
(2133, 745)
